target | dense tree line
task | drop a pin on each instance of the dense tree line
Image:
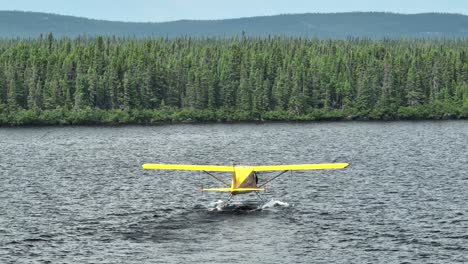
(112, 80)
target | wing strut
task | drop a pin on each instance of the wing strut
(272, 178)
(217, 178)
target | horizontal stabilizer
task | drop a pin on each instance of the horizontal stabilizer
(233, 190)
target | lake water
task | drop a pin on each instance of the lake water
(79, 195)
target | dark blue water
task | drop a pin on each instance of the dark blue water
(79, 195)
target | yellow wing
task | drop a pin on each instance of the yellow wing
(323, 166)
(187, 167)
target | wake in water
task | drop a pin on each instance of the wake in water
(274, 203)
(245, 206)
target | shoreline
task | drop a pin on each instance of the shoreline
(255, 122)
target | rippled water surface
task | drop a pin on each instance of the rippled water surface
(79, 195)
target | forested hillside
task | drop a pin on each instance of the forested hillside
(109, 80)
(332, 25)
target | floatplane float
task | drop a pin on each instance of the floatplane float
(244, 178)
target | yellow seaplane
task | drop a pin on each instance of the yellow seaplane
(244, 178)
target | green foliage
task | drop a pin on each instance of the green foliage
(118, 81)
(56, 116)
(24, 117)
(115, 117)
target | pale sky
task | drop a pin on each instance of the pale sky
(168, 10)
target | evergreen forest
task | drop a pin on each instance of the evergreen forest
(112, 80)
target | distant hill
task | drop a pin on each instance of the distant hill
(334, 25)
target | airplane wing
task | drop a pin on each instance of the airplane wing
(187, 167)
(323, 166)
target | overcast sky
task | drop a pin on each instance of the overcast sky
(168, 10)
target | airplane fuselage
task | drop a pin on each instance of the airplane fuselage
(243, 177)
